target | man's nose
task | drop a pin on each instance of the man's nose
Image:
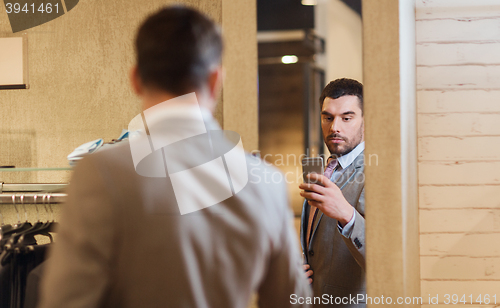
(335, 127)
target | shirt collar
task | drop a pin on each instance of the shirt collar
(347, 159)
(180, 107)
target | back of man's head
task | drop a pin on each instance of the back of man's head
(176, 50)
(342, 87)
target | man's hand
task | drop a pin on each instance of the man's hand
(309, 272)
(327, 196)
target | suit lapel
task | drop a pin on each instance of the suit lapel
(303, 229)
(341, 182)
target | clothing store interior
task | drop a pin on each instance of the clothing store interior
(66, 93)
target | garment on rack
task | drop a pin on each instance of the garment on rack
(32, 286)
(93, 146)
(6, 235)
(20, 254)
(5, 285)
(17, 270)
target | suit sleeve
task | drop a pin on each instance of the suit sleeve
(356, 240)
(285, 280)
(78, 267)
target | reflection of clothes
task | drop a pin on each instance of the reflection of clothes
(14, 275)
(32, 286)
(5, 285)
(122, 242)
(338, 261)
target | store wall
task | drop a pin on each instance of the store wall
(79, 89)
(342, 29)
(458, 80)
(238, 110)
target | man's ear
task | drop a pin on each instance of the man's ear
(215, 82)
(136, 81)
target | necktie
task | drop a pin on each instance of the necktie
(332, 164)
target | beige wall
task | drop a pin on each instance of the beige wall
(342, 29)
(458, 58)
(240, 107)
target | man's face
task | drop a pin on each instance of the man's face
(342, 124)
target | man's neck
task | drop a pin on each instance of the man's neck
(152, 98)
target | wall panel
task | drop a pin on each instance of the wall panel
(458, 79)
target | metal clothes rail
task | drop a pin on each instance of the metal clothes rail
(38, 193)
(32, 198)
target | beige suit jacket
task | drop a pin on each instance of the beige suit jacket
(338, 262)
(123, 243)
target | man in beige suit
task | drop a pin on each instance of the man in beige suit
(333, 223)
(177, 218)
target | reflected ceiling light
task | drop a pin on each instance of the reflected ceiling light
(289, 59)
(309, 2)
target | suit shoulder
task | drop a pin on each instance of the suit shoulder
(267, 179)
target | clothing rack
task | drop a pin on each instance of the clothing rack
(22, 253)
(41, 198)
(30, 187)
(38, 193)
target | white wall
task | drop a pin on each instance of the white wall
(458, 81)
(342, 29)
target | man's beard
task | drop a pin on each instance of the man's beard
(347, 146)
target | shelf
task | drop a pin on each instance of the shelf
(35, 169)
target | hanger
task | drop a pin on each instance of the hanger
(19, 227)
(24, 241)
(5, 243)
(3, 226)
(51, 226)
(28, 237)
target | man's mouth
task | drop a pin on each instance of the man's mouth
(337, 140)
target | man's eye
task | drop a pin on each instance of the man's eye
(347, 119)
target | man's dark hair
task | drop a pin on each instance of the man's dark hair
(342, 87)
(176, 49)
